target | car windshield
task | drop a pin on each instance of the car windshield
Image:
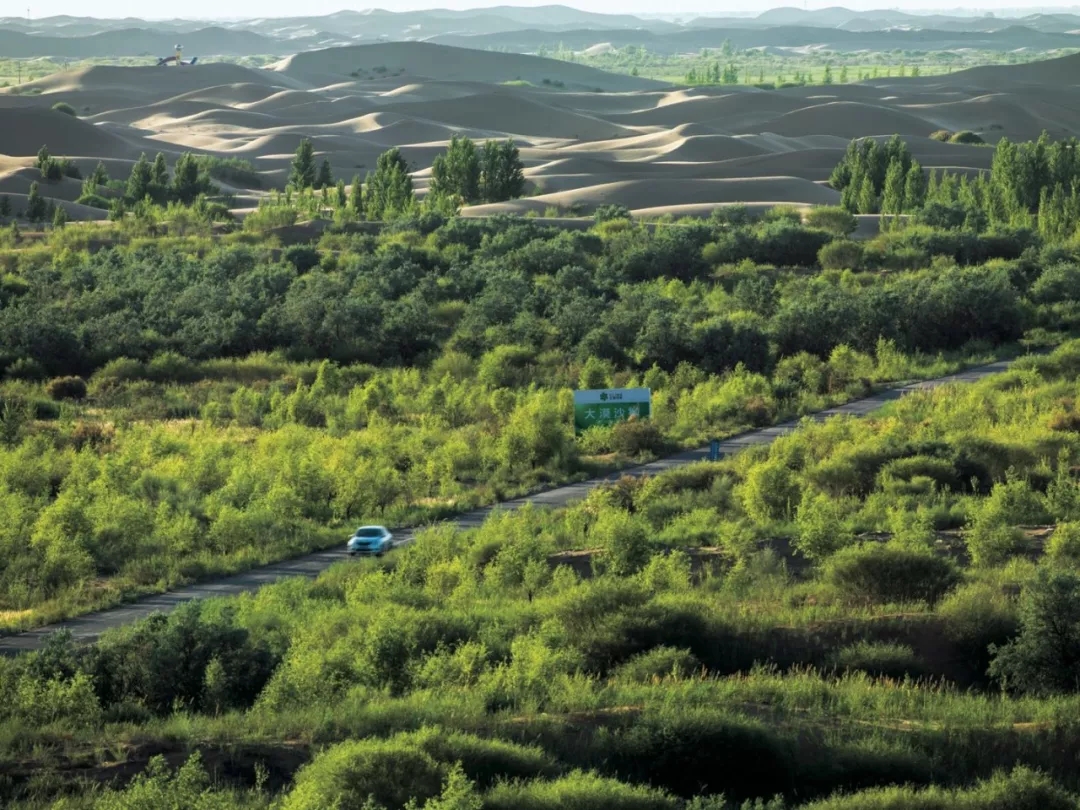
(369, 532)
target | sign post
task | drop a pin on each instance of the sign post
(610, 405)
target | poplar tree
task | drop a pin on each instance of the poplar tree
(302, 172)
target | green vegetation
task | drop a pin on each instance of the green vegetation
(788, 67)
(875, 612)
(616, 652)
(441, 352)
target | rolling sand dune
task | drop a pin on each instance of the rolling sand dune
(587, 138)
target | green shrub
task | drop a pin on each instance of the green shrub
(831, 218)
(659, 662)
(1045, 657)
(888, 574)
(346, 775)
(67, 388)
(966, 136)
(1023, 789)
(878, 658)
(978, 615)
(625, 540)
(821, 526)
(635, 437)
(577, 791)
(842, 254)
(65, 108)
(1064, 544)
(770, 492)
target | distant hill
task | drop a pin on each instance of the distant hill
(529, 29)
(137, 41)
(533, 40)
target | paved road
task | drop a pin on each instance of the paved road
(87, 628)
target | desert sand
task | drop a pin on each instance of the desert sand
(587, 138)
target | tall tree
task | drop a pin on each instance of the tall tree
(186, 185)
(356, 196)
(36, 207)
(502, 174)
(100, 175)
(914, 187)
(302, 174)
(138, 184)
(324, 179)
(390, 188)
(868, 200)
(456, 173)
(159, 173)
(892, 199)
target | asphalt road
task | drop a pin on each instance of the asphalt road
(88, 627)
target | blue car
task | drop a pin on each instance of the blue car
(370, 540)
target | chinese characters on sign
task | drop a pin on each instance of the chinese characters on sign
(610, 405)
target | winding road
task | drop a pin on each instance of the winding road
(88, 627)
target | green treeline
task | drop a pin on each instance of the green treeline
(463, 175)
(1031, 185)
(622, 295)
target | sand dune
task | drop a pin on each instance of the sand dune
(650, 147)
(422, 59)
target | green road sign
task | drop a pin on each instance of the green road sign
(607, 406)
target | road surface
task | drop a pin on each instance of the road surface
(88, 627)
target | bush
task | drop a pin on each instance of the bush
(842, 254)
(606, 213)
(831, 218)
(659, 662)
(624, 539)
(1064, 545)
(636, 436)
(67, 388)
(821, 526)
(976, 616)
(1023, 789)
(878, 658)
(966, 136)
(886, 574)
(770, 492)
(65, 108)
(1045, 657)
(942, 135)
(391, 772)
(577, 791)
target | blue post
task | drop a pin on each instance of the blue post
(714, 450)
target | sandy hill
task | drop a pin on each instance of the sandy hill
(648, 146)
(423, 59)
(153, 81)
(1063, 71)
(24, 130)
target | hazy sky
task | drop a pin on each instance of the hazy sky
(215, 9)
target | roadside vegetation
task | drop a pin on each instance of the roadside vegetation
(864, 604)
(179, 406)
